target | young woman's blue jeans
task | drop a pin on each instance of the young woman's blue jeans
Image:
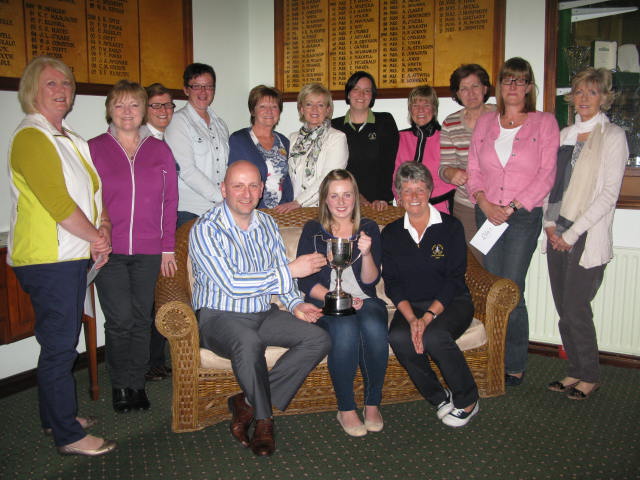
(510, 258)
(359, 339)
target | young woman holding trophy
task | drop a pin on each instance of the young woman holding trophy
(354, 317)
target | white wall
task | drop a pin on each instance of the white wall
(237, 38)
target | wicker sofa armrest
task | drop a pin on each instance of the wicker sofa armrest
(176, 288)
(177, 322)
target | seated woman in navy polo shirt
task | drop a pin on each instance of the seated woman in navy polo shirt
(424, 259)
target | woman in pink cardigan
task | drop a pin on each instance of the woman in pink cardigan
(512, 165)
(421, 143)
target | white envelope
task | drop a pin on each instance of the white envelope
(488, 235)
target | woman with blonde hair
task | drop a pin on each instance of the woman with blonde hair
(57, 223)
(578, 215)
(317, 148)
(421, 143)
(360, 338)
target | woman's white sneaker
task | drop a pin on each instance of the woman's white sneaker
(445, 406)
(458, 417)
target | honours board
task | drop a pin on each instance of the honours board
(402, 43)
(103, 41)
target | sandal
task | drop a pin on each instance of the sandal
(558, 386)
(575, 394)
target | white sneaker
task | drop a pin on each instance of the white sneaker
(445, 406)
(459, 418)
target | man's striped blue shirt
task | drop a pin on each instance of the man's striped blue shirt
(238, 270)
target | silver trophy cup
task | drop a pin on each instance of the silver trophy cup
(340, 256)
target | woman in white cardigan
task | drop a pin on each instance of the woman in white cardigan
(316, 149)
(578, 215)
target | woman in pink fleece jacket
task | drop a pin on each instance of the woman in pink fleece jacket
(512, 165)
(421, 143)
(140, 190)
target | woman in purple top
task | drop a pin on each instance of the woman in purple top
(512, 165)
(140, 191)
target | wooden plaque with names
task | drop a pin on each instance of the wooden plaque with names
(402, 43)
(103, 41)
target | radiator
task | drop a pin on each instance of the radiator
(616, 308)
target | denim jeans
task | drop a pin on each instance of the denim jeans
(57, 293)
(510, 258)
(359, 339)
(184, 217)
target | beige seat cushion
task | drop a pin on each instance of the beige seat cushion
(474, 337)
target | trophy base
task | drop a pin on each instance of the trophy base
(339, 313)
(338, 304)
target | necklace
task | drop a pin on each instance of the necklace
(510, 123)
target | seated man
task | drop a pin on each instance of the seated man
(239, 261)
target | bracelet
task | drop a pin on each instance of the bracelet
(432, 314)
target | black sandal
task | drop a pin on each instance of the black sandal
(575, 394)
(558, 386)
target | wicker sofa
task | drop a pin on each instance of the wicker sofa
(202, 382)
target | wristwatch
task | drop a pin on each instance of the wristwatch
(512, 204)
(432, 314)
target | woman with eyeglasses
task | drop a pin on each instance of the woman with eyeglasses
(512, 166)
(420, 143)
(199, 140)
(469, 86)
(140, 192)
(160, 109)
(317, 148)
(267, 149)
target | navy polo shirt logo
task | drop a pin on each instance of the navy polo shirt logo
(437, 251)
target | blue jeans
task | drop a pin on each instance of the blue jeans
(184, 217)
(359, 339)
(57, 293)
(510, 258)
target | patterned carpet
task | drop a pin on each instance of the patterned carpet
(529, 433)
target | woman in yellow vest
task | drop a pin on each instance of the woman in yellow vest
(57, 223)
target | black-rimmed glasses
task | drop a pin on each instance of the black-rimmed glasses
(518, 81)
(197, 87)
(158, 106)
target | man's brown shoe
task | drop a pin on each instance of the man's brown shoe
(242, 417)
(263, 442)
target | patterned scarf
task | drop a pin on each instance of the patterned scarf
(309, 144)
